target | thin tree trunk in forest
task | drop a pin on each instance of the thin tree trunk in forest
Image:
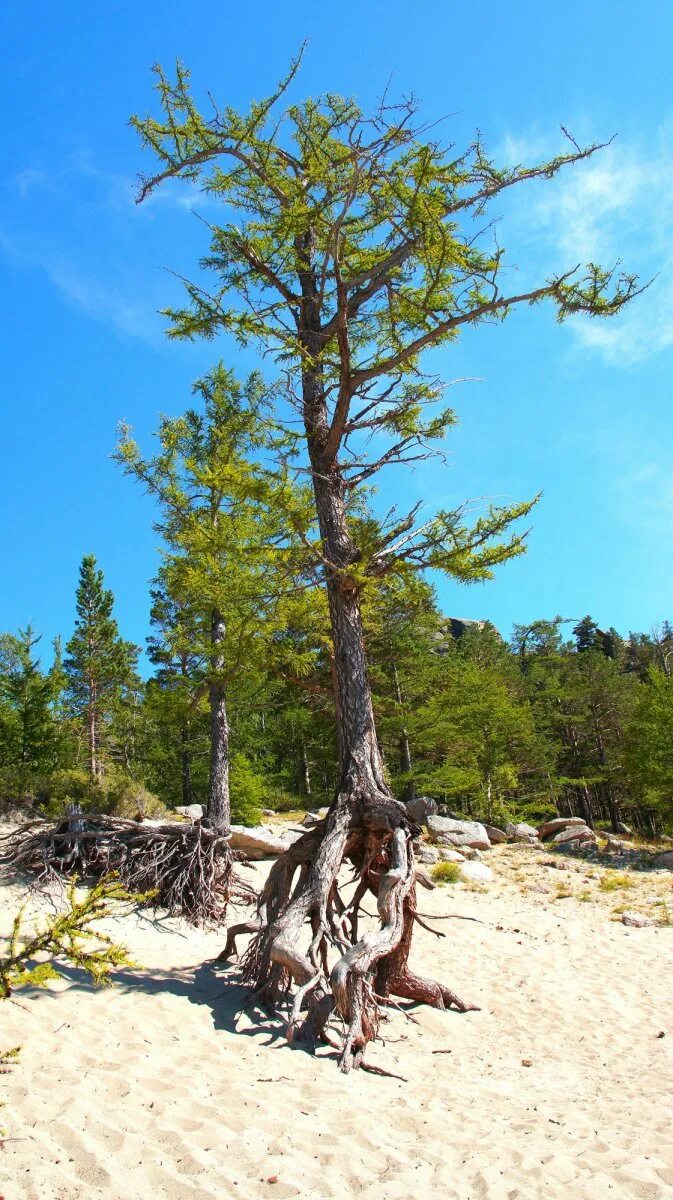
(409, 791)
(582, 791)
(305, 771)
(613, 807)
(185, 765)
(185, 752)
(585, 804)
(93, 747)
(219, 809)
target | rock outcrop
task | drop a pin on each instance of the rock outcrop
(193, 812)
(429, 855)
(577, 835)
(636, 920)
(447, 854)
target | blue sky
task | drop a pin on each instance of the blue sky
(581, 412)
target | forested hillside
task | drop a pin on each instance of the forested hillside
(563, 716)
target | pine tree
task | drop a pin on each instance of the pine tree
(99, 665)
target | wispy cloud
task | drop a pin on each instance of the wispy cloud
(64, 219)
(130, 312)
(616, 207)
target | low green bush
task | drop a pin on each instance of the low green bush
(446, 872)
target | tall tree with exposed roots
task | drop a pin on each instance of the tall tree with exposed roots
(349, 244)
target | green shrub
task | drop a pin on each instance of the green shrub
(125, 797)
(248, 791)
(612, 881)
(284, 802)
(72, 786)
(446, 872)
(116, 793)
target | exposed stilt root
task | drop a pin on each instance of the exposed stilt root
(306, 920)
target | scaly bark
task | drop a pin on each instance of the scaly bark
(219, 808)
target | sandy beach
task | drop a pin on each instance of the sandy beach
(560, 1086)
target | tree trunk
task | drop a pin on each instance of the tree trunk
(409, 791)
(92, 733)
(365, 825)
(186, 766)
(219, 809)
(305, 771)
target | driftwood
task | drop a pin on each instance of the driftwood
(187, 868)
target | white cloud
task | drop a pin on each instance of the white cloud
(132, 315)
(129, 316)
(617, 206)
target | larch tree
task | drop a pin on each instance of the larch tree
(99, 665)
(228, 559)
(349, 244)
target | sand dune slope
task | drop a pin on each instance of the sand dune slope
(155, 1088)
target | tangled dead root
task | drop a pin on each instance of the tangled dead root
(187, 868)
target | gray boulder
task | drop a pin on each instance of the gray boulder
(614, 846)
(495, 835)
(475, 872)
(521, 832)
(446, 854)
(447, 832)
(427, 854)
(557, 825)
(314, 818)
(193, 812)
(311, 819)
(636, 920)
(664, 861)
(259, 842)
(420, 808)
(577, 834)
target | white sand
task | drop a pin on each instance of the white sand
(154, 1089)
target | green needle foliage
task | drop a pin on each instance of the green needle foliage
(99, 665)
(232, 558)
(349, 243)
(73, 935)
